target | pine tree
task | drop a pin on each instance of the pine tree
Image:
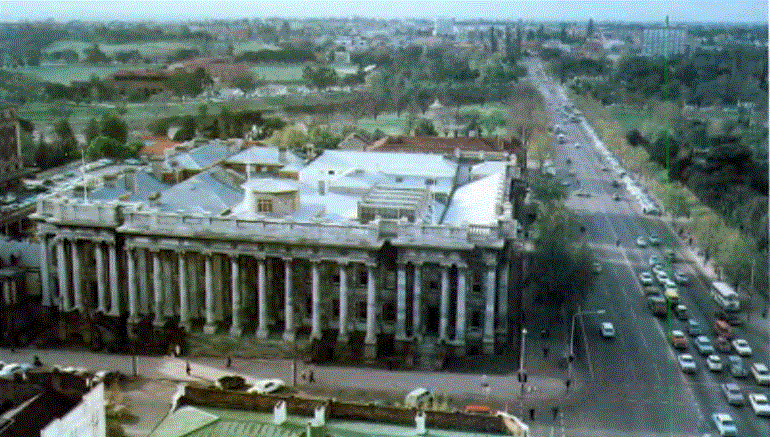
(590, 28)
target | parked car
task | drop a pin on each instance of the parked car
(264, 386)
(704, 345)
(654, 240)
(737, 369)
(722, 344)
(725, 425)
(678, 339)
(654, 260)
(742, 347)
(714, 363)
(608, 330)
(681, 278)
(687, 363)
(723, 329)
(641, 242)
(646, 278)
(733, 394)
(759, 404)
(681, 312)
(761, 373)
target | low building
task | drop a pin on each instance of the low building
(361, 246)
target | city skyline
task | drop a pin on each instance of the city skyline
(745, 11)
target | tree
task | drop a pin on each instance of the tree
(509, 44)
(106, 147)
(323, 139)
(492, 121)
(590, 28)
(187, 131)
(425, 127)
(114, 127)
(96, 56)
(67, 140)
(492, 40)
(92, 130)
(290, 137)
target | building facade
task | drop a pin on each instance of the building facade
(389, 249)
(659, 41)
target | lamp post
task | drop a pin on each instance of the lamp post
(522, 372)
(572, 338)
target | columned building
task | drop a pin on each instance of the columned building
(408, 245)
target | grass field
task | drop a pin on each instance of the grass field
(389, 123)
(64, 74)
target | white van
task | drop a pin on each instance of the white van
(417, 397)
(724, 295)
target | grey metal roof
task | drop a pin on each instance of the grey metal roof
(270, 185)
(145, 184)
(199, 158)
(202, 193)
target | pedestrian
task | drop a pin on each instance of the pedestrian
(531, 414)
(229, 362)
(545, 352)
(310, 377)
(555, 411)
(37, 361)
(566, 382)
(187, 368)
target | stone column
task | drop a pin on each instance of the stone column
(460, 319)
(210, 327)
(114, 291)
(77, 278)
(236, 330)
(315, 296)
(288, 332)
(219, 292)
(262, 299)
(144, 289)
(370, 341)
(503, 297)
(133, 314)
(444, 320)
(157, 288)
(401, 302)
(489, 314)
(101, 289)
(45, 274)
(64, 293)
(184, 313)
(168, 292)
(342, 334)
(416, 303)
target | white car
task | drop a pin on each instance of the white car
(742, 347)
(724, 423)
(661, 275)
(733, 394)
(646, 278)
(641, 242)
(608, 330)
(681, 278)
(687, 363)
(761, 373)
(264, 386)
(759, 404)
(714, 363)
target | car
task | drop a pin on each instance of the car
(646, 278)
(703, 344)
(231, 382)
(714, 363)
(654, 240)
(661, 276)
(615, 183)
(582, 193)
(759, 404)
(577, 145)
(658, 268)
(616, 197)
(605, 168)
(669, 254)
(641, 242)
(733, 394)
(761, 373)
(608, 330)
(737, 369)
(668, 283)
(681, 312)
(725, 425)
(596, 267)
(681, 278)
(742, 347)
(694, 328)
(722, 344)
(678, 339)
(11, 369)
(687, 363)
(565, 183)
(653, 260)
(571, 172)
(264, 386)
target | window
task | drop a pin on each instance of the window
(264, 205)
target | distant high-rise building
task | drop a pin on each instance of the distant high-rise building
(444, 27)
(657, 41)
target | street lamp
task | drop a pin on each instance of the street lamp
(522, 372)
(572, 338)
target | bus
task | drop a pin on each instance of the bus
(725, 296)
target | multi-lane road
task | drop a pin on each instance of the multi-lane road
(634, 382)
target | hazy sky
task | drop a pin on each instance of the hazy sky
(551, 10)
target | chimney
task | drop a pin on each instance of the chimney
(419, 421)
(322, 187)
(282, 155)
(279, 413)
(130, 179)
(156, 168)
